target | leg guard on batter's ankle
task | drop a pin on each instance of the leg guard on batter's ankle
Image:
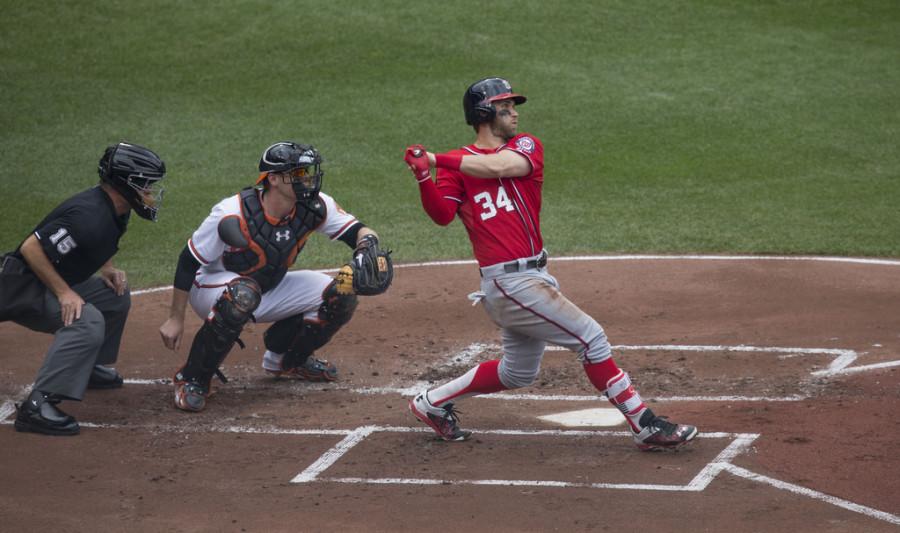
(298, 337)
(221, 330)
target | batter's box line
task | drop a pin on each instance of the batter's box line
(840, 365)
(741, 443)
(470, 354)
(722, 462)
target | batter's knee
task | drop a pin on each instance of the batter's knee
(597, 347)
(515, 378)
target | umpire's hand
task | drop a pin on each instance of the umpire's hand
(70, 304)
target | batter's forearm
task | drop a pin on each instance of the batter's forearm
(504, 164)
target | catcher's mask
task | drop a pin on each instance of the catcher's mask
(479, 97)
(136, 173)
(300, 163)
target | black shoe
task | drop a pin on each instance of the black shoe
(39, 414)
(103, 377)
(660, 434)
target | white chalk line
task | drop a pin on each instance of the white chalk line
(330, 457)
(816, 495)
(710, 471)
(824, 259)
(353, 437)
(857, 369)
(838, 366)
(506, 396)
(333, 455)
(700, 482)
(6, 409)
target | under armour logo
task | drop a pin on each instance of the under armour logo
(282, 235)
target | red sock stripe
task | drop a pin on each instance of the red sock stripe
(600, 373)
(485, 381)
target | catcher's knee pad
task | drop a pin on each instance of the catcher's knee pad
(298, 337)
(221, 329)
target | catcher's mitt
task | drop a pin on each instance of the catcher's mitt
(373, 268)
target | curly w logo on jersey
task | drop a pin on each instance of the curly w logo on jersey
(525, 144)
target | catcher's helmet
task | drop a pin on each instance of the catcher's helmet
(479, 96)
(135, 172)
(301, 161)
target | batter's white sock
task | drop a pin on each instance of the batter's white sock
(483, 379)
(616, 385)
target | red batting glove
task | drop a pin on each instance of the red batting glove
(418, 162)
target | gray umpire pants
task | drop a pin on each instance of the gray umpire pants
(93, 339)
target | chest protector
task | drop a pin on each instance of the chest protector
(262, 250)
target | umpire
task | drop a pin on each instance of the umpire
(48, 284)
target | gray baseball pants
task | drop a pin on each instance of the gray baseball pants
(93, 339)
(531, 312)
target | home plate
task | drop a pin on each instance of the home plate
(600, 416)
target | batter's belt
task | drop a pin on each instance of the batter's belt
(536, 262)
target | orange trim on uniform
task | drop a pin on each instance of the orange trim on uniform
(300, 242)
(196, 253)
(263, 260)
(344, 228)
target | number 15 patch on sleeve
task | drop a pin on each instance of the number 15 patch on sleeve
(63, 241)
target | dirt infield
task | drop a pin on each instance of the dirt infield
(789, 368)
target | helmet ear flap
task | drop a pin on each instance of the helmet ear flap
(486, 113)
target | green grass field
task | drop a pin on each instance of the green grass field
(669, 127)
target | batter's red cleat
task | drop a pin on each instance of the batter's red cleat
(311, 370)
(441, 419)
(660, 434)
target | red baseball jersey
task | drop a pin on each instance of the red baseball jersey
(501, 215)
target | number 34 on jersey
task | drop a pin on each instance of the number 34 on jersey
(489, 205)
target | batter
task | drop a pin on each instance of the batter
(494, 185)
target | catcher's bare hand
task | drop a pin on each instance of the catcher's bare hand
(171, 332)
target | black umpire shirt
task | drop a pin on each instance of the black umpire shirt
(81, 234)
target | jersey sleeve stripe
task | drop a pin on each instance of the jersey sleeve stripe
(453, 198)
(343, 229)
(195, 253)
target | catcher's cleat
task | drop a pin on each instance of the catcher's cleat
(190, 395)
(311, 370)
(442, 419)
(660, 434)
(104, 377)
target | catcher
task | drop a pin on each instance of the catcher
(234, 269)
